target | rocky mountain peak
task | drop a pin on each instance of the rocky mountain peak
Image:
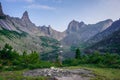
(73, 22)
(82, 24)
(110, 20)
(25, 17)
(75, 26)
(115, 25)
(25, 14)
(1, 11)
(107, 23)
(49, 26)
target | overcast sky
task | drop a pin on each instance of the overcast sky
(58, 13)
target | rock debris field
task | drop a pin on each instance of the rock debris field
(61, 74)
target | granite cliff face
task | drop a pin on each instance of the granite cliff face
(48, 31)
(79, 32)
(1, 11)
(25, 18)
(74, 26)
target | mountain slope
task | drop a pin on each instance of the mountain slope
(79, 32)
(23, 41)
(24, 35)
(110, 40)
(100, 36)
(48, 31)
(24, 24)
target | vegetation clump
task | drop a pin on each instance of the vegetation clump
(96, 58)
(11, 60)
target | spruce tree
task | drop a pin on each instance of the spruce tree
(78, 54)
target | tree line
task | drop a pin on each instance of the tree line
(10, 59)
(98, 59)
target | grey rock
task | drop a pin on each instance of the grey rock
(1, 11)
(106, 41)
(48, 31)
(74, 26)
(25, 17)
(78, 33)
(115, 26)
(61, 74)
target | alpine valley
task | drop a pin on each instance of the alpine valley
(24, 35)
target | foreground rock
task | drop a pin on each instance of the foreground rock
(61, 74)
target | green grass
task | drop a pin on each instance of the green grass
(106, 73)
(17, 75)
(101, 73)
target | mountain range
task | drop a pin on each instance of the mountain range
(106, 41)
(22, 34)
(79, 32)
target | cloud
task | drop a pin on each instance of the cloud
(58, 1)
(29, 1)
(38, 6)
(52, 1)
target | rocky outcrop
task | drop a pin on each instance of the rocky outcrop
(61, 74)
(28, 26)
(48, 31)
(74, 26)
(25, 17)
(7, 23)
(1, 11)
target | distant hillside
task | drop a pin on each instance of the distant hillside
(79, 32)
(26, 42)
(110, 41)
